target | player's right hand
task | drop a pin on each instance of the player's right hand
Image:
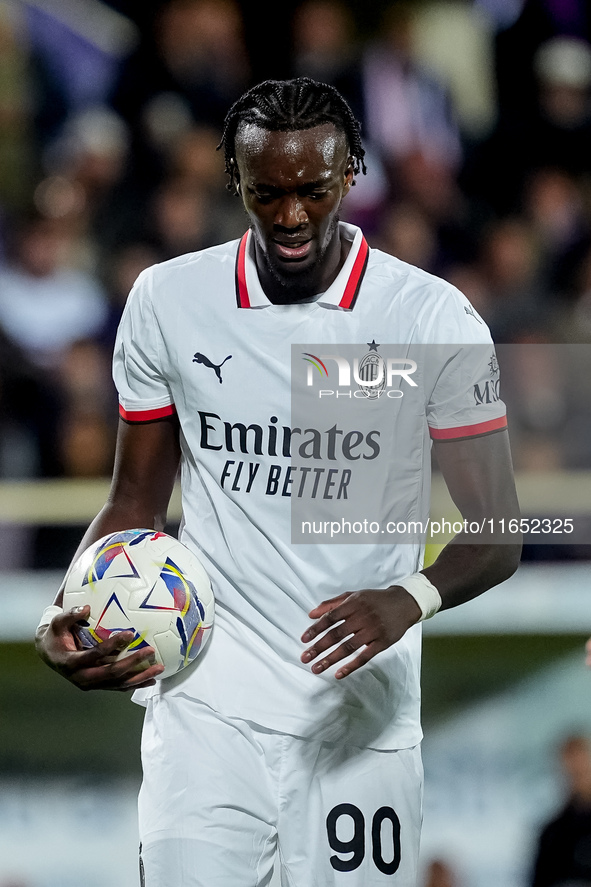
(97, 668)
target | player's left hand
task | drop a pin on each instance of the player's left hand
(370, 621)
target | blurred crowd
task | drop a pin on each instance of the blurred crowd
(476, 118)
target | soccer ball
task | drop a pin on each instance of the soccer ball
(148, 583)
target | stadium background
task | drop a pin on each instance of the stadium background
(477, 122)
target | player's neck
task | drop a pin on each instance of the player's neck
(299, 289)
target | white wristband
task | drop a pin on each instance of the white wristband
(48, 614)
(424, 593)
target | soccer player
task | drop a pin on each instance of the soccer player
(297, 729)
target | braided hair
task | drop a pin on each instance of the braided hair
(288, 106)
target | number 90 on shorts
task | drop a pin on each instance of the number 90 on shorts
(355, 848)
(246, 799)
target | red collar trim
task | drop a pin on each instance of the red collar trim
(241, 289)
(351, 289)
(354, 283)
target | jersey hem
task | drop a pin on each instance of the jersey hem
(408, 737)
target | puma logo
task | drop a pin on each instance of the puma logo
(201, 358)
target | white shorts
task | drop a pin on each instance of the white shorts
(221, 797)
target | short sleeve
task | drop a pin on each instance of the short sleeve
(144, 393)
(465, 399)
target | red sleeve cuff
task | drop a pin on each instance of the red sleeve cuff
(146, 415)
(468, 430)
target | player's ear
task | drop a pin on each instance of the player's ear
(235, 177)
(349, 175)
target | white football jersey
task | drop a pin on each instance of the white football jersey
(199, 337)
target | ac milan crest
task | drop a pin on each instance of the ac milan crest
(372, 372)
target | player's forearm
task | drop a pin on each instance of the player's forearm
(479, 476)
(146, 464)
(463, 571)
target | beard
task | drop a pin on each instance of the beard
(301, 285)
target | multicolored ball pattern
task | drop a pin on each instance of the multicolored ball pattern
(149, 583)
